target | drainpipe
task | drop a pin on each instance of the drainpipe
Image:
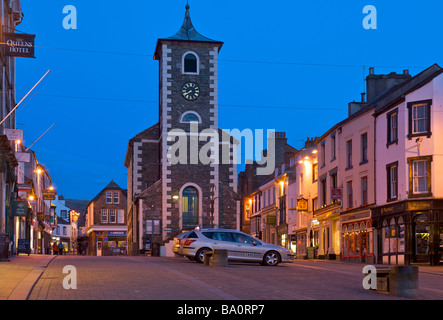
(375, 232)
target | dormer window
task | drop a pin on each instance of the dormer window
(190, 63)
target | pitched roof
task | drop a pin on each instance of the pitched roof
(397, 93)
(111, 186)
(391, 96)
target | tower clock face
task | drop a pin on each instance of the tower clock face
(190, 91)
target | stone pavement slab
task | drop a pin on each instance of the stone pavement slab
(163, 278)
(19, 275)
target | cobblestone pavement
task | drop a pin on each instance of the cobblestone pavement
(165, 278)
(19, 275)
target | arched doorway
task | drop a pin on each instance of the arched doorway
(190, 207)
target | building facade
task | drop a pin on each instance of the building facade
(11, 16)
(302, 198)
(259, 193)
(372, 190)
(356, 177)
(181, 171)
(409, 131)
(106, 222)
(65, 228)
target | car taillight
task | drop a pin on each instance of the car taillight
(177, 241)
(188, 242)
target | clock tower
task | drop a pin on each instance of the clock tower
(166, 198)
(188, 65)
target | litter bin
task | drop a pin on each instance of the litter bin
(4, 247)
(403, 281)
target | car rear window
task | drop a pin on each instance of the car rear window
(192, 235)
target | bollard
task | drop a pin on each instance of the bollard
(403, 281)
(207, 258)
(219, 258)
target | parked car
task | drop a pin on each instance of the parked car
(178, 240)
(240, 246)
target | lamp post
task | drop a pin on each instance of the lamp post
(212, 204)
(74, 219)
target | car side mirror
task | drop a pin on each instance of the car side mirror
(255, 243)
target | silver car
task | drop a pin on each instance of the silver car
(177, 241)
(240, 246)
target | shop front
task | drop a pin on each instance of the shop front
(357, 237)
(328, 231)
(301, 243)
(268, 228)
(107, 243)
(282, 235)
(116, 243)
(410, 232)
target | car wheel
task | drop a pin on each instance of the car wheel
(200, 256)
(271, 258)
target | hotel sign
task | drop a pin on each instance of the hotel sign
(19, 45)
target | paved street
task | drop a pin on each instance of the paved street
(161, 278)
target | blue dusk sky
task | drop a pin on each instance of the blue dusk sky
(286, 65)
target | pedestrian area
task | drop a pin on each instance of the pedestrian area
(18, 276)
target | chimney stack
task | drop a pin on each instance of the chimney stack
(379, 83)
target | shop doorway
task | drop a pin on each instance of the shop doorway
(421, 239)
(99, 248)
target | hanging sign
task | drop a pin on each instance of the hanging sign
(49, 194)
(302, 204)
(336, 193)
(19, 45)
(20, 208)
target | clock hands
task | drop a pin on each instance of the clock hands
(190, 91)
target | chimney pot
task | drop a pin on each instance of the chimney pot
(371, 70)
(406, 72)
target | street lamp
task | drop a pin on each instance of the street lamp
(212, 204)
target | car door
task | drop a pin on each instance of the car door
(221, 240)
(247, 248)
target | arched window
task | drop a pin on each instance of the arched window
(190, 207)
(190, 63)
(190, 117)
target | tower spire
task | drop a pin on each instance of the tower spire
(187, 32)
